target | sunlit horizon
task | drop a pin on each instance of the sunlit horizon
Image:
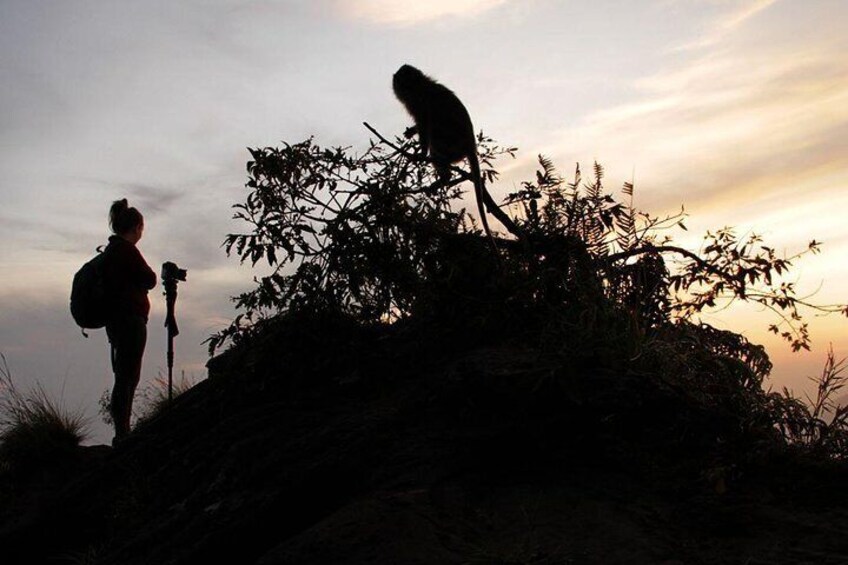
(735, 109)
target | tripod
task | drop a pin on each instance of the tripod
(170, 284)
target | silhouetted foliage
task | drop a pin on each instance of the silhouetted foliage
(374, 238)
(352, 233)
(725, 269)
(362, 233)
(819, 425)
(37, 434)
(151, 400)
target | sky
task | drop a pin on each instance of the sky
(737, 109)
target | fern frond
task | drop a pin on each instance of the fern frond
(626, 222)
(625, 225)
(547, 165)
(575, 186)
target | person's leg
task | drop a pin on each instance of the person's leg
(129, 338)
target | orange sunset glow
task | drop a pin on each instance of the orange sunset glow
(736, 110)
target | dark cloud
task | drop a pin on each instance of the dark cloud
(149, 198)
(152, 199)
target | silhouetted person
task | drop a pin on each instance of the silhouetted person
(127, 279)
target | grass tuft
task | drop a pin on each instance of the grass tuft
(150, 401)
(37, 433)
(153, 399)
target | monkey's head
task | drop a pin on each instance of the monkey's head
(407, 82)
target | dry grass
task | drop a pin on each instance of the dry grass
(36, 431)
(153, 398)
(150, 401)
(818, 424)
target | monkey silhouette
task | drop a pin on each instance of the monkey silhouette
(446, 135)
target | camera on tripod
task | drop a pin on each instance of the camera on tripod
(170, 272)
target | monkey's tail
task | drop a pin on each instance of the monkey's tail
(479, 191)
(484, 196)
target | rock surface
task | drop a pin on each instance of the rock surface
(383, 450)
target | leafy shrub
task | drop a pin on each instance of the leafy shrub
(818, 425)
(374, 238)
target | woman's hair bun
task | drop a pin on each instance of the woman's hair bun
(122, 218)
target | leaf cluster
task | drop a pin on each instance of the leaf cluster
(340, 231)
(376, 239)
(366, 234)
(819, 425)
(677, 281)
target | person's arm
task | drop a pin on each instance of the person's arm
(142, 274)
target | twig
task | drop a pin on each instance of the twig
(384, 140)
(663, 248)
(413, 157)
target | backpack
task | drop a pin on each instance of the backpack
(88, 293)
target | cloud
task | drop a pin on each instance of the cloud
(412, 12)
(749, 131)
(727, 22)
(151, 199)
(743, 11)
(728, 126)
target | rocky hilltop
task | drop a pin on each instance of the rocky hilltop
(323, 441)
